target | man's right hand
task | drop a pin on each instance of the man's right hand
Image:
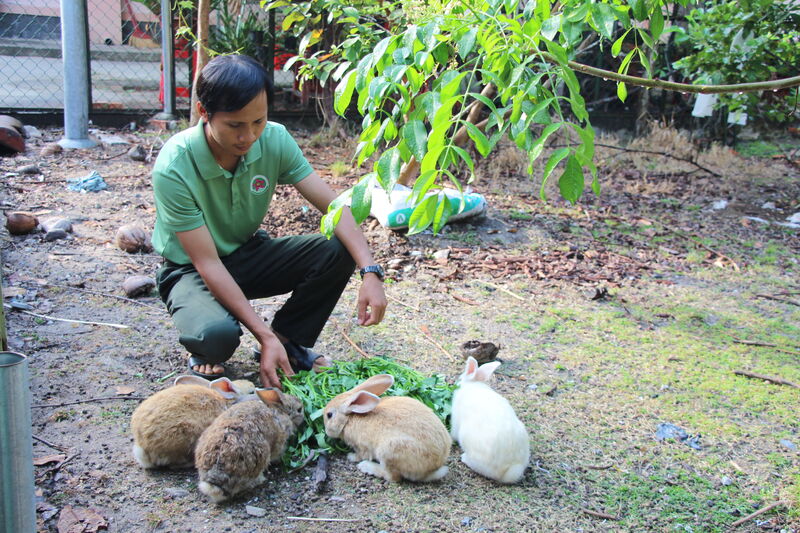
(273, 356)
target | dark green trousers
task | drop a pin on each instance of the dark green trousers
(314, 269)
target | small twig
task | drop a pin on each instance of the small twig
(162, 379)
(775, 298)
(392, 298)
(430, 339)
(737, 467)
(776, 381)
(99, 293)
(599, 515)
(764, 345)
(32, 182)
(598, 467)
(499, 288)
(348, 339)
(54, 446)
(61, 464)
(761, 511)
(37, 315)
(37, 405)
(465, 300)
(113, 156)
(312, 519)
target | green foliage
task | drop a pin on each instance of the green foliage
(416, 82)
(744, 41)
(317, 389)
(233, 33)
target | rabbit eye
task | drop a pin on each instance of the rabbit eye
(329, 415)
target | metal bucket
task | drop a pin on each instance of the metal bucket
(17, 507)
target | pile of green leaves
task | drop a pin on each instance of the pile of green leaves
(316, 390)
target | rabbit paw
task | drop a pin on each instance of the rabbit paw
(352, 457)
(376, 469)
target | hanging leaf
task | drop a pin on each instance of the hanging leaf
(571, 181)
(344, 92)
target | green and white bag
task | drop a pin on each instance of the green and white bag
(393, 211)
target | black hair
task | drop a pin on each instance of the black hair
(230, 82)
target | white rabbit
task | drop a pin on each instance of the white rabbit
(493, 440)
(166, 425)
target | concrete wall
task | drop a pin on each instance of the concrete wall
(105, 17)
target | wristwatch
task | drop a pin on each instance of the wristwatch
(375, 269)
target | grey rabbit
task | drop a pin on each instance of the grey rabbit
(236, 448)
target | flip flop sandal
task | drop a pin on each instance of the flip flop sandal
(196, 361)
(300, 357)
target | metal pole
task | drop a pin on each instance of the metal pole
(17, 507)
(167, 62)
(75, 54)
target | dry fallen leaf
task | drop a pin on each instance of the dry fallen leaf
(80, 520)
(124, 389)
(47, 459)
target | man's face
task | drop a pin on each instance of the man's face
(232, 133)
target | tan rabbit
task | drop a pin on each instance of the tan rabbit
(395, 438)
(236, 448)
(166, 425)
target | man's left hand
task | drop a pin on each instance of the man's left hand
(371, 301)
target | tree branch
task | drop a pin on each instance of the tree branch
(773, 85)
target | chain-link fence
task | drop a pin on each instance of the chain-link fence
(125, 55)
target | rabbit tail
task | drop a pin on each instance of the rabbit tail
(215, 493)
(437, 474)
(510, 474)
(142, 457)
(151, 460)
(513, 474)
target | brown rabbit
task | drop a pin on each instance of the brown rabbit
(234, 451)
(166, 425)
(402, 434)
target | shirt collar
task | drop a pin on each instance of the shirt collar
(210, 169)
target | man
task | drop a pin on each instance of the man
(213, 184)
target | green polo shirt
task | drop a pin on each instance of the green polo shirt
(192, 190)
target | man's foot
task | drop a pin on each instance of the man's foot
(301, 358)
(199, 367)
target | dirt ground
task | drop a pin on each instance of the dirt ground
(612, 316)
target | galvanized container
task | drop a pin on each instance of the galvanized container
(17, 507)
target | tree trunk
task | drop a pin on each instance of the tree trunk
(203, 12)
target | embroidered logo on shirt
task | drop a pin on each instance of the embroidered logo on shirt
(259, 184)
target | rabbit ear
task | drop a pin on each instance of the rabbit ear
(377, 384)
(484, 373)
(224, 386)
(471, 368)
(191, 380)
(360, 402)
(269, 395)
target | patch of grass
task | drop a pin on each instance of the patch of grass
(677, 501)
(339, 169)
(517, 214)
(469, 238)
(761, 148)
